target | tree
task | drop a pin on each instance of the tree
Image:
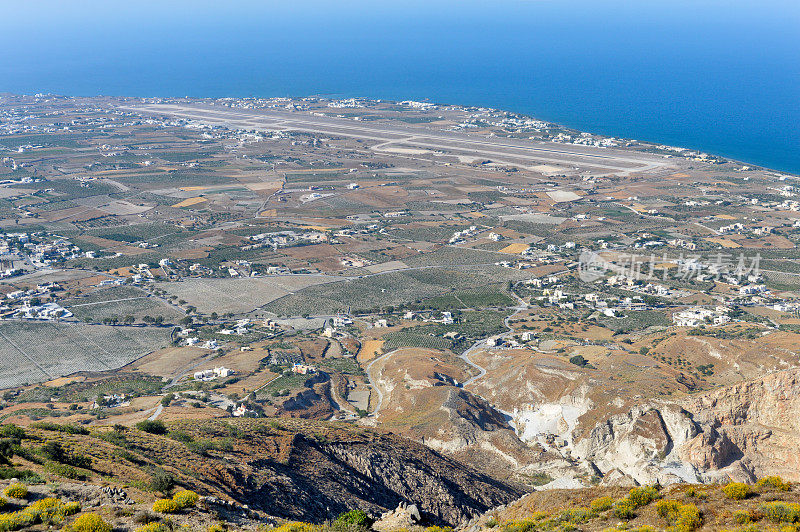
(578, 360)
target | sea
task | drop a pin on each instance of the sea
(722, 76)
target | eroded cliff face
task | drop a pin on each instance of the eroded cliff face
(739, 432)
(532, 417)
(750, 429)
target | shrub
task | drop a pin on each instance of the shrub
(2, 502)
(45, 510)
(736, 491)
(143, 517)
(66, 471)
(774, 482)
(16, 491)
(166, 506)
(186, 498)
(56, 427)
(668, 509)
(162, 482)
(742, 517)
(216, 527)
(152, 426)
(602, 504)
(689, 518)
(294, 526)
(71, 508)
(153, 527)
(356, 518)
(781, 512)
(642, 496)
(90, 522)
(624, 509)
(9, 430)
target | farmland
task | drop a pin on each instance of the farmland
(390, 289)
(239, 295)
(35, 351)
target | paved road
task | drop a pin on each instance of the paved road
(374, 382)
(480, 344)
(159, 409)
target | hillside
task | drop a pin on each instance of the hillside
(769, 505)
(290, 469)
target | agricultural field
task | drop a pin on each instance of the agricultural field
(238, 296)
(39, 351)
(120, 301)
(396, 288)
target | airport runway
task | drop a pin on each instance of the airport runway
(500, 150)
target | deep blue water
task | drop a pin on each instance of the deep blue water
(722, 76)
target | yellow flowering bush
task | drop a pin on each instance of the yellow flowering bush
(736, 490)
(186, 498)
(153, 527)
(90, 522)
(16, 491)
(294, 526)
(602, 504)
(642, 496)
(774, 482)
(166, 506)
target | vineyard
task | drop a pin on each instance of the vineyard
(39, 351)
(238, 295)
(391, 289)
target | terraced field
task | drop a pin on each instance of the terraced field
(39, 351)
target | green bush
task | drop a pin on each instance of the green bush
(642, 496)
(90, 522)
(162, 482)
(736, 491)
(355, 518)
(16, 491)
(152, 426)
(57, 427)
(781, 512)
(9, 430)
(66, 471)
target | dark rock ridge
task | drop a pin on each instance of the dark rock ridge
(323, 479)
